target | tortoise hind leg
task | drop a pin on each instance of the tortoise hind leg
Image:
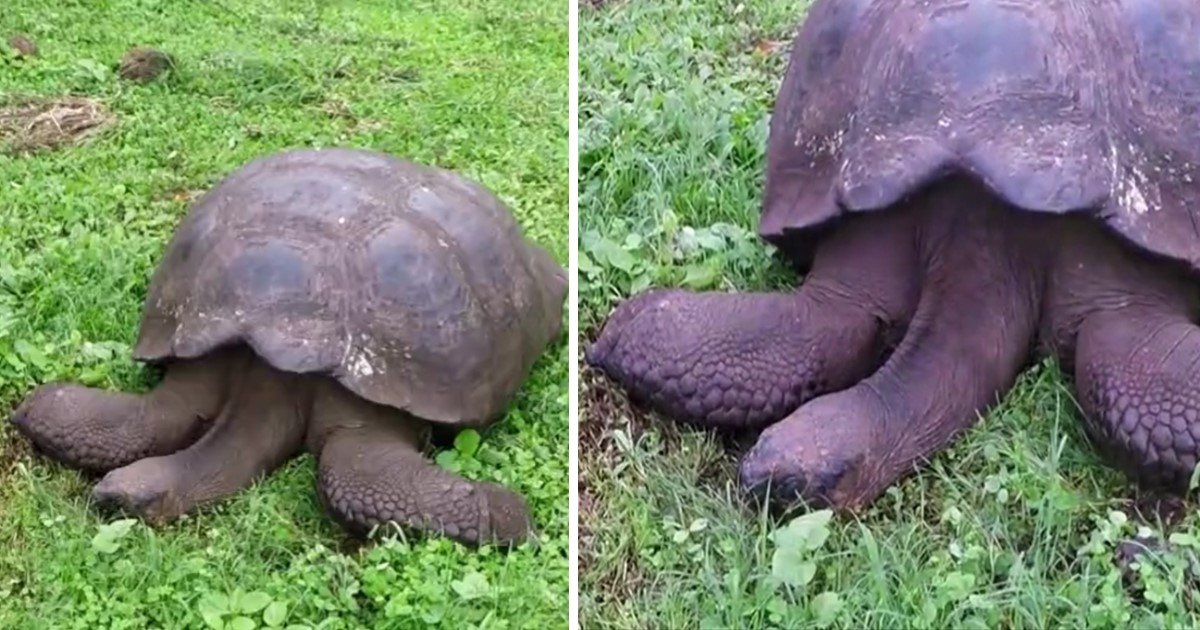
(971, 335)
(371, 472)
(96, 431)
(747, 360)
(260, 426)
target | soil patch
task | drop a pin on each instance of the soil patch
(22, 45)
(34, 124)
(143, 65)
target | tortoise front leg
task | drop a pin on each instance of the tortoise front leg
(747, 360)
(96, 431)
(971, 334)
(260, 426)
(371, 472)
(1137, 375)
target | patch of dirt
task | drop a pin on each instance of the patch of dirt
(339, 109)
(352, 545)
(1154, 508)
(599, 410)
(401, 75)
(13, 450)
(34, 124)
(604, 410)
(143, 65)
(766, 46)
(183, 195)
(22, 45)
(367, 126)
(1155, 551)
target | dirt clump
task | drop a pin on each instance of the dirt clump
(12, 452)
(22, 45)
(33, 124)
(143, 65)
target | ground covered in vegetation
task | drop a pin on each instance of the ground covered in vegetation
(95, 171)
(1014, 526)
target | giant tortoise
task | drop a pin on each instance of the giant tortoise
(338, 301)
(968, 185)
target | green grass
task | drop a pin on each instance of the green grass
(1012, 527)
(479, 87)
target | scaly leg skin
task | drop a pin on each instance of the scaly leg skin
(97, 431)
(1137, 375)
(1124, 325)
(372, 472)
(746, 360)
(260, 426)
(971, 334)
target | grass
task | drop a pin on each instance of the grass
(1014, 526)
(473, 86)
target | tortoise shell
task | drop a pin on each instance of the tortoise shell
(1054, 105)
(410, 285)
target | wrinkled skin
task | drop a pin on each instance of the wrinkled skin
(911, 323)
(217, 423)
